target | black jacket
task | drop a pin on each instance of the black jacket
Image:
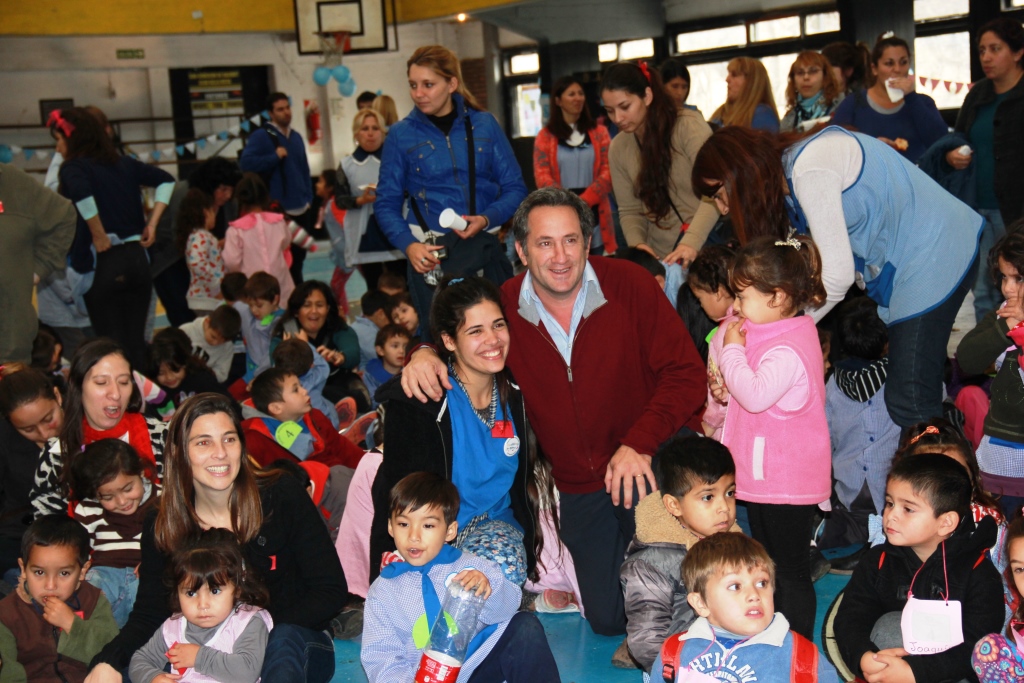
(418, 438)
(293, 554)
(19, 459)
(879, 585)
(1008, 142)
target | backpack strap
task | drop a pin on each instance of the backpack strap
(670, 652)
(804, 663)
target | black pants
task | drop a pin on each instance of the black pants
(371, 272)
(171, 287)
(521, 654)
(597, 534)
(306, 221)
(118, 301)
(785, 532)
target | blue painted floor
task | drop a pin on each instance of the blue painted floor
(582, 655)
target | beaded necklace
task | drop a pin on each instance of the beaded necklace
(487, 414)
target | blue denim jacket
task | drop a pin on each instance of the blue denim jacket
(434, 169)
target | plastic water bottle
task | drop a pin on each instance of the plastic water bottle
(450, 636)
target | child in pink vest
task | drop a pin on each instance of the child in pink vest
(765, 367)
(218, 631)
(259, 240)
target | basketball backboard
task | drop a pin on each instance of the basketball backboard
(365, 20)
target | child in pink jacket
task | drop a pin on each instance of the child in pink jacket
(766, 368)
(260, 239)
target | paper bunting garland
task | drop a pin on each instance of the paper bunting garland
(246, 125)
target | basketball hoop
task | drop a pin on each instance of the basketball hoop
(333, 45)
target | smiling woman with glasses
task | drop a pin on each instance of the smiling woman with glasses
(812, 92)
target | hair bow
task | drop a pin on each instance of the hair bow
(57, 121)
(454, 280)
(646, 70)
(930, 429)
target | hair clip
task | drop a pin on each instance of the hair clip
(646, 70)
(789, 242)
(55, 120)
(930, 429)
(454, 280)
(887, 35)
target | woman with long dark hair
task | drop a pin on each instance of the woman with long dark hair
(991, 118)
(113, 231)
(102, 402)
(209, 483)
(651, 159)
(572, 152)
(871, 212)
(313, 311)
(477, 435)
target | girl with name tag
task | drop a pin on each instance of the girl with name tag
(477, 435)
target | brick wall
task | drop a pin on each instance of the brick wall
(475, 75)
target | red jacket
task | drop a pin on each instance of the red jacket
(636, 376)
(328, 446)
(546, 173)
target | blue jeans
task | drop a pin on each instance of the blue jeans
(917, 358)
(298, 655)
(987, 296)
(120, 586)
(521, 654)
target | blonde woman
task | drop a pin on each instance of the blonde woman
(812, 92)
(749, 101)
(447, 154)
(385, 106)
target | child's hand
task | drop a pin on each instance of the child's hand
(719, 391)
(1012, 311)
(708, 429)
(735, 334)
(57, 613)
(330, 355)
(895, 669)
(183, 655)
(474, 580)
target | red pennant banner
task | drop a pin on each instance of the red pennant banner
(948, 84)
(935, 83)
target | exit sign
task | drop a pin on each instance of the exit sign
(131, 54)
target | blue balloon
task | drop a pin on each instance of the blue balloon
(321, 75)
(6, 155)
(341, 73)
(347, 88)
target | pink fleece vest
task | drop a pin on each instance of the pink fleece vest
(782, 456)
(223, 640)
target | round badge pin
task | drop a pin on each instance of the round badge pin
(511, 446)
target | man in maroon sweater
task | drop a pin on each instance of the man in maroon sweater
(608, 373)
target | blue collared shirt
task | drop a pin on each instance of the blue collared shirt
(589, 298)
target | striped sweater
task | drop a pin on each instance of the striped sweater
(115, 539)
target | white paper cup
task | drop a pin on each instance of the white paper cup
(895, 94)
(450, 219)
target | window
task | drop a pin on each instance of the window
(1015, 3)
(707, 87)
(926, 10)
(940, 60)
(608, 52)
(527, 118)
(528, 63)
(778, 72)
(775, 29)
(711, 39)
(825, 22)
(636, 49)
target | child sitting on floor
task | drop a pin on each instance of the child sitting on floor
(213, 339)
(113, 485)
(998, 658)
(697, 499)
(739, 635)
(390, 345)
(53, 624)
(259, 312)
(281, 423)
(935, 554)
(298, 357)
(404, 601)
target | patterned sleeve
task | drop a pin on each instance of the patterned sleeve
(158, 436)
(46, 494)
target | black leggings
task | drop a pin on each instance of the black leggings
(118, 301)
(785, 532)
(521, 654)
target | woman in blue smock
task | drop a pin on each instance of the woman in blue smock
(477, 435)
(871, 213)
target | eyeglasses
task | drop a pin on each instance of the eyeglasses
(812, 71)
